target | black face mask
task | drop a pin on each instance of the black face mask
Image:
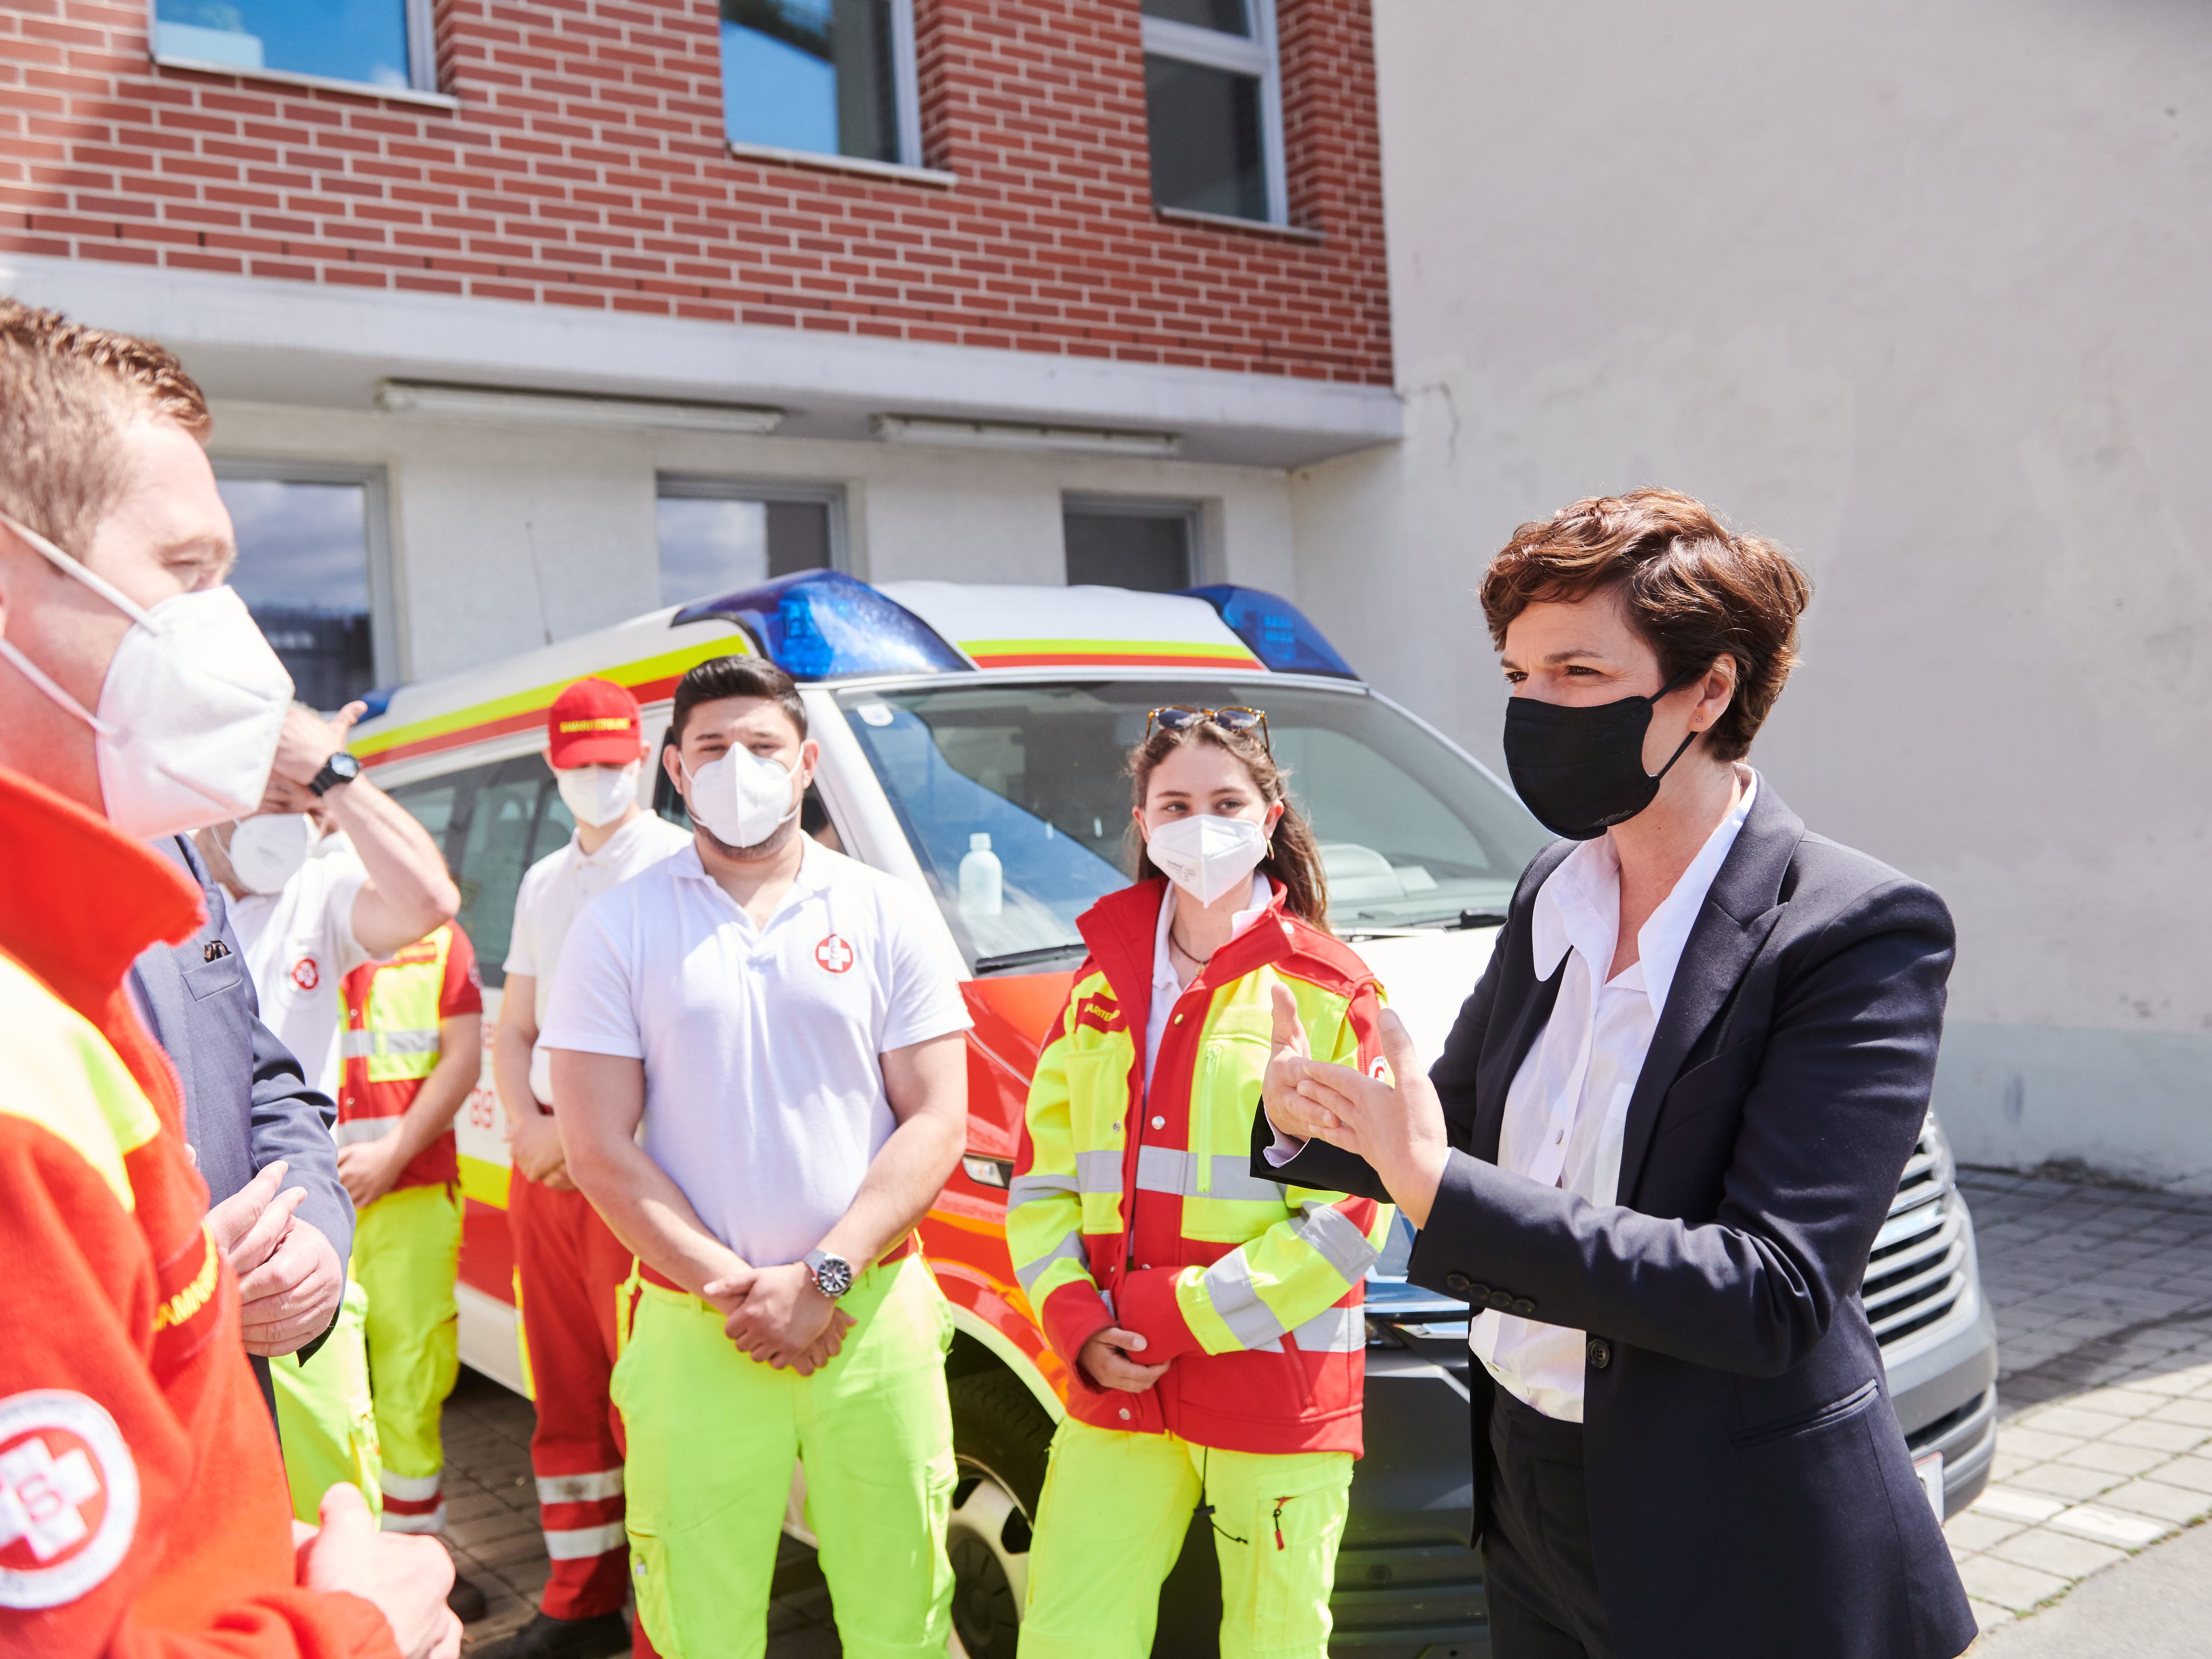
(1580, 770)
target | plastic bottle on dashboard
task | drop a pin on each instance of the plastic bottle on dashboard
(982, 878)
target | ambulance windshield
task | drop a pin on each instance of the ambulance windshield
(1410, 833)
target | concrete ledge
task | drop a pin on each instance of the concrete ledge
(2133, 1104)
(263, 340)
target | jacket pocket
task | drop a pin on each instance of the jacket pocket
(1820, 1417)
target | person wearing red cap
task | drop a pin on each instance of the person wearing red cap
(568, 1267)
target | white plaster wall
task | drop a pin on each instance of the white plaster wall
(504, 537)
(1919, 288)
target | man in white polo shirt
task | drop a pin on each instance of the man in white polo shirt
(786, 1023)
(568, 1268)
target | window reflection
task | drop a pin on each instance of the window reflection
(303, 572)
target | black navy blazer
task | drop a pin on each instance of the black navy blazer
(1750, 1491)
(247, 1104)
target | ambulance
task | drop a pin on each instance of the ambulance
(973, 741)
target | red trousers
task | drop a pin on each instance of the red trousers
(569, 1268)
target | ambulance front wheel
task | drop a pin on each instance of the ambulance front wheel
(1001, 1438)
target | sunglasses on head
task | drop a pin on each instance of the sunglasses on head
(1180, 717)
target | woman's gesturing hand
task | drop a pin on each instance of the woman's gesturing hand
(1292, 1113)
(1396, 1123)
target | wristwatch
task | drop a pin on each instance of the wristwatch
(833, 1274)
(340, 767)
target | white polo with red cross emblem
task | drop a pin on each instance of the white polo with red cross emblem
(297, 943)
(763, 1085)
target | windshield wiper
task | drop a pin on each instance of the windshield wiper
(1043, 953)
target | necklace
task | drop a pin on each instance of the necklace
(1189, 955)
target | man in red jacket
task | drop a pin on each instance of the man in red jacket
(142, 1507)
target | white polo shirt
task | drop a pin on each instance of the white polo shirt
(763, 1092)
(298, 943)
(554, 893)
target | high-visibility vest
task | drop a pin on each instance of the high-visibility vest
(1137, 1206)
(389, 1044)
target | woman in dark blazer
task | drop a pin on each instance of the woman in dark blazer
(1669, 1149)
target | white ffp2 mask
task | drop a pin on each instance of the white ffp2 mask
(268, 850)
(1208, 856)
(597, 795)
(742, 797)
(189, 712)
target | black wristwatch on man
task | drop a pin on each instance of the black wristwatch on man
(340, 767)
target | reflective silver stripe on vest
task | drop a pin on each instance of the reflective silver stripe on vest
(1069, 1248)
(1098, 1172)
(410, 1488)
(1331, 1234)
(1165, 1169)
(1332, 1330)
(1027, 1189)
(363, 1128)
(1228, 1287)
(580, 1488)
(371, 1045)
(585, 1542)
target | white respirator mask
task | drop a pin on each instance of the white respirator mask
(1208, 857)
(742, 797)
(268, 850)
(597, 795)
(189, 712)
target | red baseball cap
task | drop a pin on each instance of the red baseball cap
(593, 723)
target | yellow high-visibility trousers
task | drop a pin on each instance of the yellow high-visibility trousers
(1112, 1521)
(407, 1256)
(713, 1435)
(326, 1418)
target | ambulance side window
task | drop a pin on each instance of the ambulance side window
(497, 845)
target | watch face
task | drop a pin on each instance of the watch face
(345, 765)
(834, 1275)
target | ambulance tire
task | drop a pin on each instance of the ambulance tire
(1001, 1440)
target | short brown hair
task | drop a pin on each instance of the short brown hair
(66, 393)
(735, 677)
(1696, 590)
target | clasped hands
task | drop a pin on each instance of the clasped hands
(778, 1316)
(1394, 1122)
(290, 1278)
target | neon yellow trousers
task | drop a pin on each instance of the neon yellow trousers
(326, 1417)
(407, 1255)
(1112, 1520)
(712, 1435)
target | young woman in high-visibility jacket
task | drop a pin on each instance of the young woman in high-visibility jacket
(1210, 1319)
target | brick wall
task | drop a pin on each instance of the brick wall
(586, 167)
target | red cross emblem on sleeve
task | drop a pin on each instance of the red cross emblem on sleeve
(305, 974)
(833, 954)
(69, 1498)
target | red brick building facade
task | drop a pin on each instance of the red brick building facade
(573, 155)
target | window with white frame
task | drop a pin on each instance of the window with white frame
(720, 535)
(386, 44)
(314, 570)
(827, 77)
(1213, 101)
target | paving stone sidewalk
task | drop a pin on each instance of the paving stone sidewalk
(2104, 1305)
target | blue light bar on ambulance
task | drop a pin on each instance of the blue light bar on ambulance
(1276, 631)
(816, 624)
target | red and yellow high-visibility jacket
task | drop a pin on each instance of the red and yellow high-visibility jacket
(390, 1044)
(1138, 1209)
(142, 1508)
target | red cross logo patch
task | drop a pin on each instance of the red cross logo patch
(306, 975)
(1379, 1069)
(833, 954)
(69, 1498)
